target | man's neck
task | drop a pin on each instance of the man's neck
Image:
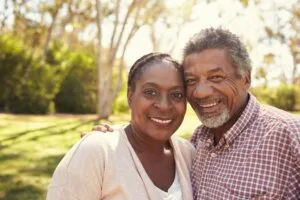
(219, 132)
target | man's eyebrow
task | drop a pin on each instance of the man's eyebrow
(216, 70)
(187, 73)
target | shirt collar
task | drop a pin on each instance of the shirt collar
(248, 115)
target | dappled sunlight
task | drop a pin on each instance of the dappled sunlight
(29, 156)
(59, 59)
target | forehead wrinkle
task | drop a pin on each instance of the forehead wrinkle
(210, 71)
(218, 69)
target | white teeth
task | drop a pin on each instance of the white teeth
(208, 105)
(161, 121)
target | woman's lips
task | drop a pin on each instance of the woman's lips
(161, 121)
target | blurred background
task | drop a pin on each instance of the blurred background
(64, 65)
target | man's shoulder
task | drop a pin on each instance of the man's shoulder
(273, 114)
(280, 121)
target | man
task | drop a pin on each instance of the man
(244, 150)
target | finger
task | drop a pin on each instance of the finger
(101, 128)
(109, 127)
(82, 134)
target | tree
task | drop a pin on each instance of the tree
(54, 11)
(126, 20)
(285, 31)
(160, 18)
(4, 16)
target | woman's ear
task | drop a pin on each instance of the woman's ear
(129, 96)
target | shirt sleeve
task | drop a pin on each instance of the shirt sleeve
(80, 173)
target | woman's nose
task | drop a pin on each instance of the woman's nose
(163, 103)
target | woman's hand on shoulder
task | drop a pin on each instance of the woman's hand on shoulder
(102, 128)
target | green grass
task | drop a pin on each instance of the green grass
(31, 146)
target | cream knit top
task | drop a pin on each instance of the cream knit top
(105, 166)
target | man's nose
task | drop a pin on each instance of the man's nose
(203, 90)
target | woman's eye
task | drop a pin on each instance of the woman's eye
(150, 93)
(177, 95)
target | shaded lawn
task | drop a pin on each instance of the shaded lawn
(31, 146)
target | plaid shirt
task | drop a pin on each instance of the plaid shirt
(258, 158)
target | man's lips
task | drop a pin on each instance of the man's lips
(208, 106)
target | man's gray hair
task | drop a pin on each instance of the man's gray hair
(212, 38)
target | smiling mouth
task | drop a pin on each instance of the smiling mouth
(161, 121)
(208, 105)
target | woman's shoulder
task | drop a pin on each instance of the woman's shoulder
(94, 146)
(96, 139)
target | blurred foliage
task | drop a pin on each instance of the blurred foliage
(79, 89)
(64, 81)
(284, 96)
(28, 83)
(120, 104)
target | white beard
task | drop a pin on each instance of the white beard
(215, 121)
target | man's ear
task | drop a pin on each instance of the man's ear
(247, 80)
(129, 96)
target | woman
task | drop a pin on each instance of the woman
(140, 160)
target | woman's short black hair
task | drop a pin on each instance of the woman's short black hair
(149, 59)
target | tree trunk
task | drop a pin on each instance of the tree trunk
(101, 103)
(3, 22)
(50, 29)
(108, 87)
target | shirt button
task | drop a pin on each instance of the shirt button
(208, 143)
(203, 192)
(213, 155)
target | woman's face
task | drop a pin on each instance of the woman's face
(158, 102)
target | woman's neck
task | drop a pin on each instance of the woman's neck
(142, 143)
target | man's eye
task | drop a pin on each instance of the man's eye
(217, 78)
(190, 81)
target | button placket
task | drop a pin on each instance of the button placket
(213, 155)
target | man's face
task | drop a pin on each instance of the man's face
(214, 89)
